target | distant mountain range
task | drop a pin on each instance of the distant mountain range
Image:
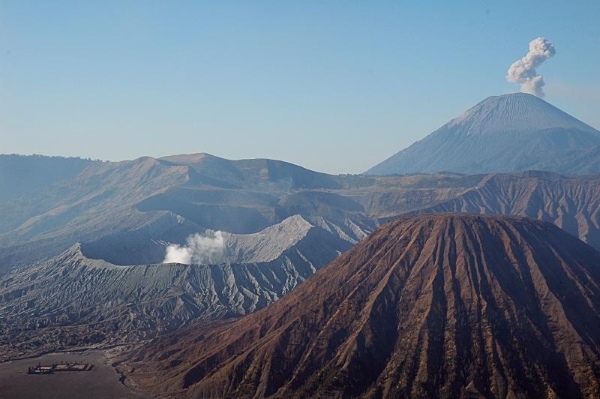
(133, 209)
(438, 306)
(508, 133)
(112, 222)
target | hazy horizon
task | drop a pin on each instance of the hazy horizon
(333, 87)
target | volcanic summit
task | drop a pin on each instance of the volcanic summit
(508, 133)
(446, 305)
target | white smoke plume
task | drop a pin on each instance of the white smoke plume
(524, 71)
(198, 250)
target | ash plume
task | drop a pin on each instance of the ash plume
(524, 70)
(199, 249)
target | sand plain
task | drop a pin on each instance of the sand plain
(102, 381)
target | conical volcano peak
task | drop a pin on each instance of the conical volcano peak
(440, 306)
(516, 112)
(508, 133)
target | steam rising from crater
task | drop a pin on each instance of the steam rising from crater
(524, 70)
(199, 249)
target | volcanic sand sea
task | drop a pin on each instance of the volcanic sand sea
(102, 381)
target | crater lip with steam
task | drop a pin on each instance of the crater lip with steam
(216, 247)
(524, 70)
(199, 249)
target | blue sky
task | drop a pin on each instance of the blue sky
(334, 86)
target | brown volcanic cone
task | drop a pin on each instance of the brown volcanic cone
(444, 306)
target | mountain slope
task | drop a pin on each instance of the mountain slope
(262, 174)
(73, 300)
(447, 306)
(23, 175)
(570, 203)
(508, 133)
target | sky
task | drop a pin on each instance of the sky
(333, 86)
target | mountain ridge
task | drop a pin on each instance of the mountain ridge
(133, 205)
(571, 204)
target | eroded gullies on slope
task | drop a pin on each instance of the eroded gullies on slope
(427, 306)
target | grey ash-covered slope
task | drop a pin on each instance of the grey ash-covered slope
(74, 300)
(508, 133)
(430, 306)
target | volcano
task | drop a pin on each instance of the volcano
(446, 306)
(508, 133)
